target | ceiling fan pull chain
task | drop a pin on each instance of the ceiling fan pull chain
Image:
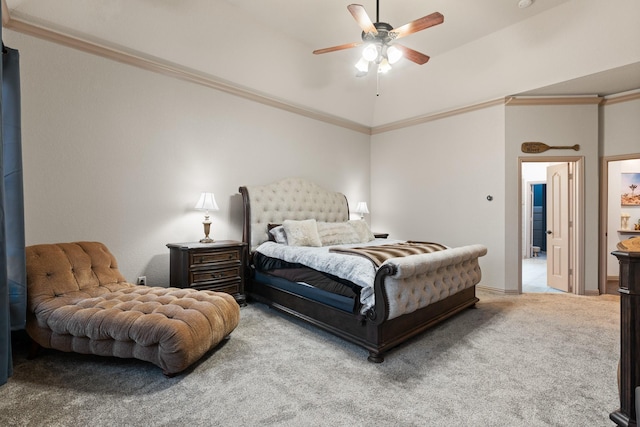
(377, 84)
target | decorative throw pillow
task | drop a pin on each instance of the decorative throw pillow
(302, 233)
(337, 233)
(362, 229)
(278, 234)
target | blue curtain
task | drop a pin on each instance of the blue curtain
(13, 284)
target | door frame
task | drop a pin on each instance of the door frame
(604, 216)
(577, 214)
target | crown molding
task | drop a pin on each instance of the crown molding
(5, 13)
(553, 100)
(431, 117)
(621, 97)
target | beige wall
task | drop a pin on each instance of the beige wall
(431, 182)
(120, 155)
(620, 129)
(559, 125)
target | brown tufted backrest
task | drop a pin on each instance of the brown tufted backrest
(83, 269)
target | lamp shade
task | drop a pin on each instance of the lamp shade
(362, 65)
(207, 202)
(393, 54)
(361, 208)
(384, 66)
(370, 52)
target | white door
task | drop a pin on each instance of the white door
(558, 226)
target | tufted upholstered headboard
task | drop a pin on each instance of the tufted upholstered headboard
(290, 198)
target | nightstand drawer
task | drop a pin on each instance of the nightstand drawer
(231, 287)
(214, 257)
(198, 276)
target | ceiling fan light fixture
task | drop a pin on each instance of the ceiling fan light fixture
(378, 40)
(370, 52)
(362, 65)
(393, 54)
(384, 66)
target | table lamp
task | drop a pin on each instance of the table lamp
(207, 202)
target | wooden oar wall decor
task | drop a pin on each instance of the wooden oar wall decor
(540, 147)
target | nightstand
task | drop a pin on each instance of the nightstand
(217, 266)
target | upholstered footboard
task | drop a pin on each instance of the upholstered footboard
(404, 285)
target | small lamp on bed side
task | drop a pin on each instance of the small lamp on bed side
(207, 202)
(361, 208)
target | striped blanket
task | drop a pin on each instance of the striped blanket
(379, 254)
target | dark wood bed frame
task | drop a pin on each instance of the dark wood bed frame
(371, 331)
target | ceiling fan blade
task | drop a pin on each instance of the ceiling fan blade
(412, 55)
(361, 17)
(335, 48)
(418, 25)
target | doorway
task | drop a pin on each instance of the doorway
(534, 260)
(545, 267)
(611, 210)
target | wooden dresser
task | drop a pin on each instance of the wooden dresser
(216, 266)
(629, 369)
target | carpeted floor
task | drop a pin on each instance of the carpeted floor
(527, 360)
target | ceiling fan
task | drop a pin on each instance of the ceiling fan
(379, 40)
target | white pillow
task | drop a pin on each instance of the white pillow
(279, 234)
(302, 233)
(337, 233)
(362, 229)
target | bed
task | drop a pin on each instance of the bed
(309, 260)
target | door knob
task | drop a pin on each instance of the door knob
(549, 231)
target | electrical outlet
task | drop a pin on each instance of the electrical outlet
(142, 280)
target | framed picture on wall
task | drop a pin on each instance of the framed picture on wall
(630, 189)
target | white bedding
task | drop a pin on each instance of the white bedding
(356, 269)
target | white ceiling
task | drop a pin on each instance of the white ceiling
(265, 46)
(613, 81)
(465, 21)
(319, 24)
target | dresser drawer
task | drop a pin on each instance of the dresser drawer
(214, 257)
(213, 275)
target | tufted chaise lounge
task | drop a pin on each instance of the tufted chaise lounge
(78, 301)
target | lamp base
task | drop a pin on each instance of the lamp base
(207, 240)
